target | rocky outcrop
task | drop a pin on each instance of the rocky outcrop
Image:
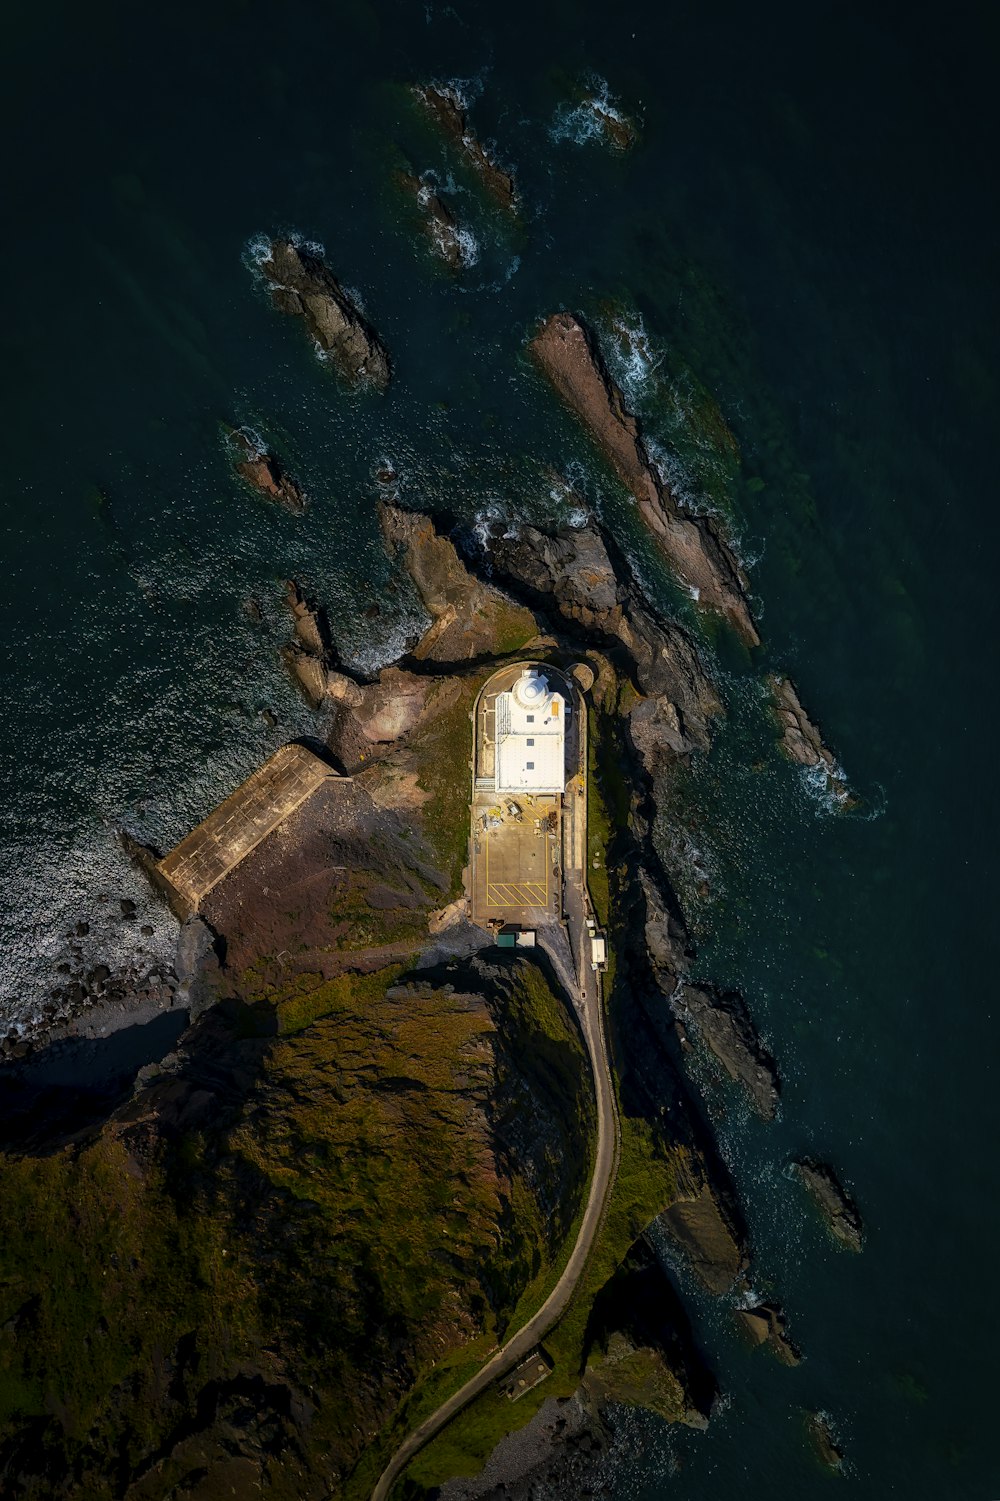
(305, 287)
(449, 111)
(570, 575)
(699, 1222)
(802, 742)
(616, 128)
(446, 238)
(825, 1446)
(693, 545)
(641, 1349)
(255, 463)
(766, 1325)
(724, 1024)
(842, 1215)
(469, 618)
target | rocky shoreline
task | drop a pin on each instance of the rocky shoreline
(449, 111)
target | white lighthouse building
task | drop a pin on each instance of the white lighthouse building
(530, 736)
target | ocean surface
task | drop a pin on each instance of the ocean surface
(802, 250)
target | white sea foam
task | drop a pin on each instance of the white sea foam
(588, 119)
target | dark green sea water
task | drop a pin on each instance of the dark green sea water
(807, 232)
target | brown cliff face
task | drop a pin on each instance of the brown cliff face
(697, 552)
(304, 286)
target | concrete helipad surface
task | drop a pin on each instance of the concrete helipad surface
(516, 876)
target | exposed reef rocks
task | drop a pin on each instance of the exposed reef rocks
(698, 553)
(448, 240)
(449, 110)
(839, 1210)
(722, 1021)
(303, 285)
(825, 1446)
(255, 463)
(802, 742)
(765, 1323)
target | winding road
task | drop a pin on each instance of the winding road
(586, 996)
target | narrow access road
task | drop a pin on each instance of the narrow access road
(588, 1002)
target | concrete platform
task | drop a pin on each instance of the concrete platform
(229, 833)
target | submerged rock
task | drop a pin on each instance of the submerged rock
(448, 109)
(303, 285)
(766, 1325)
(448, 240)
(834, 1202)
(724, 1024)
(802, 742)
(820, 1432)
(263, 470)
(694, 545)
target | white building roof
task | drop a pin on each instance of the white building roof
(530, 730)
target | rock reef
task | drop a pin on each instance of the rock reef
(699, 555)
(842, 1216)
(255, 463)
(447, 239)
(303, 286)
(765, 1323)
(723, 1022)
(449, 111)
(802, 742)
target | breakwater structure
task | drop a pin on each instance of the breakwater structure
(238, 825)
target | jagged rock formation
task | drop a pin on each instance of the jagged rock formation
(264, 471)
(469, 617)
(694, 546)
(801, 741)
(766, 1325)
(571, 575)
(443, 231)
(724, 1024)
(304, 286)
(448, 109)
(839, 1210)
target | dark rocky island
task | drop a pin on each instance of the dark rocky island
(449, 111)
(303, 286)
(264, 472)
(446, 238)
(842, 1216)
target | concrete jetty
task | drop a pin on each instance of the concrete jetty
(229, 833)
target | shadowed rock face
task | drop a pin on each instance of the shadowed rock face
(574, 571)
(766, 1325)
(842, 1215)
(694, 546)
(726, 1027)
(447, 108)
(302, 284)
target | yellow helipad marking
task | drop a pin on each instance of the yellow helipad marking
(516, 894)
